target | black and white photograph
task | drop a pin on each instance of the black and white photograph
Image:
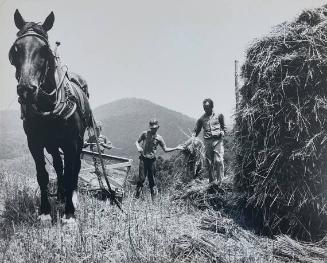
(177, 131)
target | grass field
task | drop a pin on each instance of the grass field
(169, 229)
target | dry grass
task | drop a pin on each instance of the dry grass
(286, 248)
(172, 229)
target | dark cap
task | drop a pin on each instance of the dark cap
(98, 125)
(153, 124)
(208, 102)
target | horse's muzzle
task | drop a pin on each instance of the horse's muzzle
(26, 92)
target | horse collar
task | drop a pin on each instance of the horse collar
(65, 106)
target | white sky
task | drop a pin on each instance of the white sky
(172, 52)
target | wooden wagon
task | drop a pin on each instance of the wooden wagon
(117, 170)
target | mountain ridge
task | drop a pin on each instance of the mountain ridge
(100, 108)
(130, 116)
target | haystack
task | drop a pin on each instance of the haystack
(194, 156)
(281, 128)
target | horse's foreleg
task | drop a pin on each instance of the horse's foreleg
(58, 166)
(77, 168)
(42, 175)
(71, 170)
(68, 171)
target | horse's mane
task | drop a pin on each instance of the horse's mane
(32, 26)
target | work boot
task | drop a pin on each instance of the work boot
(153, 193)
(214, 182)
(219, 181)
(220, 174)
(138, 192)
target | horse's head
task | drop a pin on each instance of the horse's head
(32, 56)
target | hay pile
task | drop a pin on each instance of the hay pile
(201, 195)
(181, 168)
(281, 128)
(189, 249)
(194, 157)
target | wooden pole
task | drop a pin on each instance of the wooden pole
(110, 191)
(237, 94)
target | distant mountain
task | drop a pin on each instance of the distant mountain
(123, 121)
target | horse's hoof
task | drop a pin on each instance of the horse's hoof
(45, 219)
(71, 221)
(75, 200)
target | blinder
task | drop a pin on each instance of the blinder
(12, 54)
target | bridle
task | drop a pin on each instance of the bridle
(31, 32)
(56, 91)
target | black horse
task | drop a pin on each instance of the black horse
(55, 110)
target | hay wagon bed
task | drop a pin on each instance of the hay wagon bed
(117, 170)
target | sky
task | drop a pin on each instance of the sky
(172, 52)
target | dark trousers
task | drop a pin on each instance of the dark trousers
(146, 169)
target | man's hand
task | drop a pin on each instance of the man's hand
(180, 147)
(221, 135)
(106, 145)
(140, 149)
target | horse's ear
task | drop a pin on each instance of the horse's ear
(19, 20)
(48, 22)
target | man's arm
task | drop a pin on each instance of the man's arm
(221, 120)
(167, 149)
(87, 142)
(197, 128)
(105, 144)
(139, 140)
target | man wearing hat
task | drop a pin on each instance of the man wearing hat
(214, 129)
(147, 145)
(103, 141)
